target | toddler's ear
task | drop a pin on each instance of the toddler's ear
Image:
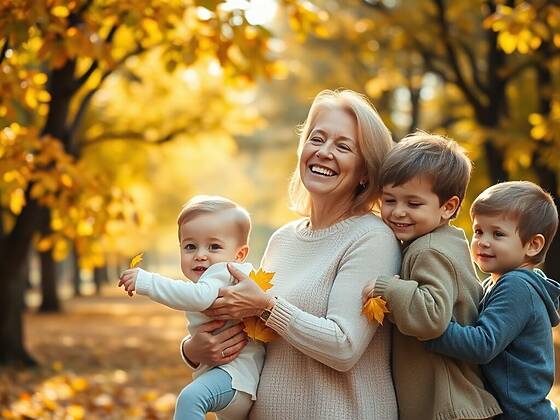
(242, 253)
(450, 206)
(534, 245)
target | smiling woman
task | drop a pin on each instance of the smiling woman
(328, 363)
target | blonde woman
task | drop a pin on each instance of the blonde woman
(328, 363)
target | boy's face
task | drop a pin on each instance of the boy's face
(412, 209)
(207, 239)
(496, 247)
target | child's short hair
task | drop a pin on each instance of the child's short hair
(201, 204)
(440, 159)
(529, 204)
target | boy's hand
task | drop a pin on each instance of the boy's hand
(367, 292)
(128, 280)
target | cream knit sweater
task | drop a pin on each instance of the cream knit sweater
(328, 364)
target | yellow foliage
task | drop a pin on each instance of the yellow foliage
(375, 309)
(137, 259)
(262, 278)
(257, 330)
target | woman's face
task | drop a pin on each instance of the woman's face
(330, 163)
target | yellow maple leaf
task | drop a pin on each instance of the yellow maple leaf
(137, 259)
(257, 330)
(262, 278)
(375, 308)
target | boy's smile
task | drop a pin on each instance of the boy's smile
(496, 247)
(412, 209)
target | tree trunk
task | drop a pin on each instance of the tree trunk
(50, 302)
(14, 249)
(76, 275)
(100, 276)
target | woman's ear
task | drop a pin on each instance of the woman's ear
(534, 245)
(450, 207)
(242, 253)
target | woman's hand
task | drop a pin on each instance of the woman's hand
(213, 350)
(243, 300)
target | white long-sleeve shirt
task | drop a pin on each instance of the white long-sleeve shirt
(195, 297)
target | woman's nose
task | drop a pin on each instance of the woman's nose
(324, 151)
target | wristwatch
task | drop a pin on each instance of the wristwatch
(265, 314)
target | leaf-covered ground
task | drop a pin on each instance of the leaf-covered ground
(110, 357)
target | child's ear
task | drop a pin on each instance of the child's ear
(535, 245)
(242, 253)
(450, 206)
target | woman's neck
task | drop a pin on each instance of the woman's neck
(325, 214)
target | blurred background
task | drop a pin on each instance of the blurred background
(114, 113)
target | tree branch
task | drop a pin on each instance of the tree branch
(4, 50)
(135, 137)
(85, 76)
(88, 97)
(460, 80)
(472, 62)
(532, 62)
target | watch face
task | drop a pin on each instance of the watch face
(265, 315)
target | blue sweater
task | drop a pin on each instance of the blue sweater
(512, 341)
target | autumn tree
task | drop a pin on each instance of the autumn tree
(499, 58)
(55, 55)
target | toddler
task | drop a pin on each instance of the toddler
(212, 232)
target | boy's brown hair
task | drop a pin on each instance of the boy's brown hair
(438, 158)
(203, 204)
(528, 203)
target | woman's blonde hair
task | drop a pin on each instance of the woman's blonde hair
(374, 142)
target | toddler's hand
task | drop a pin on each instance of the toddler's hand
(128, 280)
(367, 292)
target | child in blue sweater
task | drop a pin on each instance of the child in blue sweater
(514, 224)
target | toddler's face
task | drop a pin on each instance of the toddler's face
(207, 239)
(496, 247)
(412, 209)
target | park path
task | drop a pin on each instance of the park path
(108, 357)
(104, 357)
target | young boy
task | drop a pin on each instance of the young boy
(212, 231)
(424, 180)
(514, 224)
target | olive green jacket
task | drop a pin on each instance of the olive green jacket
(437, 283)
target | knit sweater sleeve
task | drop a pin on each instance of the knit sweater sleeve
(507, 311)
(339, 339)
(422, 306)
(183, 295)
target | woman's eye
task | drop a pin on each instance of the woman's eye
(344, 147)
(316, 140)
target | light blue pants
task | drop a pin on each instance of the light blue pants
(210, 392)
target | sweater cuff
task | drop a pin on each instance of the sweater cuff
(382, 285)
(281, 316)
(185, 359)
(144, 282)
